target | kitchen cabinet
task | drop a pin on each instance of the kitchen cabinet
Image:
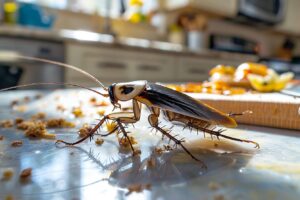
(292, 15)
(228, 8)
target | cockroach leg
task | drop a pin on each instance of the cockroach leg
(125, 134)
(153, 121)
(109, 133)
(90, 135)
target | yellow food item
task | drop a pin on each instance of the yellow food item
(99, 141)
(271, 82)
(7, 174)
(245, 69)
(77, 112)
(222, 69)
(111, 126)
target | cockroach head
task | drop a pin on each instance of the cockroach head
(125, 91)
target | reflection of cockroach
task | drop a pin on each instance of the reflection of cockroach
(176, 106)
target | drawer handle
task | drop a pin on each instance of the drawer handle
(148, 68)
(112, 65)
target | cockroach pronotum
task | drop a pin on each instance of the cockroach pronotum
(175, 106)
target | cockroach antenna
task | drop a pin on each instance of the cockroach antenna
(15, 56)
(35, 84)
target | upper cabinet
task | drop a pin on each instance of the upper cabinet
(292, 16)
(228, 8)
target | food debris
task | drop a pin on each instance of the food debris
(38, 116)
(14, 102)
(213, 186)
(1, 137)
(84, 130)
(151, 162)
(99, 141)
(38, 130)
(158, 150)
(219, 197)
(25, 173)
(101, 112)
(136, 152)
(110, 126)
(17, 143)
(7, 174)
(60, 108)
(59, 123)
(77, 112)
(26, 99)
(18, 121)
(25, 125)
(9, 197)
(137, 188)
(124, 142)
(93, 100)
(6, 123)
(21, 108)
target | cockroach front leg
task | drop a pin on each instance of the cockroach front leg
(153, 121)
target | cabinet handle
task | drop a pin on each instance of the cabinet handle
(111, 65)
(148, 68)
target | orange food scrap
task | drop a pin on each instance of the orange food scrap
(6, 123)
(77, 112)
(17, 143)
(25, 173)
(7, 174)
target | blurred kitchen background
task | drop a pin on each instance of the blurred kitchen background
(156, 40)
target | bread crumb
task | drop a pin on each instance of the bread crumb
(21, 108)
(60, 108)
(124, 142)
(101, 112)
(136, 152)
(84, 130)
(37, 129)
(213, 186)
(219, 197)
(6, 123)
(38, 116)
(18, 121)
(25, 173)
(59, 123)
(17, 143)
(99, 141)
(110, 126)
(9, 197)
(77, 112)
(1, 137)
(7, 174)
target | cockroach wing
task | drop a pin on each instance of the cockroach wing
(177, 102)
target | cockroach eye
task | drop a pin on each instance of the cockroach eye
(126, 90)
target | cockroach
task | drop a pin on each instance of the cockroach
(175, 106)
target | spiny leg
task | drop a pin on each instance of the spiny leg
(125, 135)
(89, 135)
(153, 120)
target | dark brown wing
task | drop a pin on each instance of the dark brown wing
(168, 99)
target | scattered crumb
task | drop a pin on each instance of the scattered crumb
(77, 112)
(110, 126)
(137, 188)
(59, 123)
(213, 186)
(151, 162)
(25, 173)
(25, 125)
(26, 99)
(93, 100)
(14, 102)
(6, 123)
(99, 141)
(17, 143)
(136, 152)
(100, 103)
(9, 197)
(219, 197)
(7, 174)
(21, 108)
(18, 121)
(84, 130)
(124, 142)
(158, 150)
(38, 116)
(101, 112)
(1, 137)
(38, 130)
(60, 108)
(216, 145)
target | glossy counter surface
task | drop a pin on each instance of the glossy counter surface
(88, 171)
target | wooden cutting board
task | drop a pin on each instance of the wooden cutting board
(270, 109)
